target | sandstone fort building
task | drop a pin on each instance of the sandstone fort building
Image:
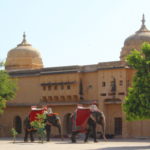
(63, 88)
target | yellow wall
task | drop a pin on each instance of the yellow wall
(31, 92)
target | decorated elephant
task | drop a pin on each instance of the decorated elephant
(51, 119)
(84, 120)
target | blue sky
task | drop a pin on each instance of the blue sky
(71, 32)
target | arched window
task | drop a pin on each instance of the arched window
(18, 124)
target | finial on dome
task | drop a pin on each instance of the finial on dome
(143, 27)
(24, 37)
(24, 41)
(143, 20)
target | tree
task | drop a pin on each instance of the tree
(39, 125)
(137, 102)
(14, 133)
(7, 88)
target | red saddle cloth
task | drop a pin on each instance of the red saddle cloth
(80, 119)
(34, 112)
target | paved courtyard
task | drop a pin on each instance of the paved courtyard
(55, 144)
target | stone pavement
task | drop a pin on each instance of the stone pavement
(55, 144)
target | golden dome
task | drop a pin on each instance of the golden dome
(23, 57)
(136, 40)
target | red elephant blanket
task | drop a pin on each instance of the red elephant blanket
(80, 118)
(34, 112)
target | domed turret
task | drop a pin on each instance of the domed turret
(23, 57)
(136, 40)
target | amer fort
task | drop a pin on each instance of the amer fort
(63, 88)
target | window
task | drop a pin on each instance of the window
(128, 83)
(121, 93)
(49, 87)
(103, 84)
(44, 87)
(90, 86)
(111, 94)
(55, 87)
(44, 98)
(68, 87)
(103, 94)
(120, 82)
(113, 85)
(49, 98)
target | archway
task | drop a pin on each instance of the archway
(68, 123)
(18, 124)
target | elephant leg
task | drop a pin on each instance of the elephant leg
(94, 132)
(103, 130)
(48, 132)
(87, 135)
(26, 136)
(31, 136)
(73, 137)
(60, 131)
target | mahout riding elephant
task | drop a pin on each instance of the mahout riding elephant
(95, 117)
(53, 120)
(50, 120)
